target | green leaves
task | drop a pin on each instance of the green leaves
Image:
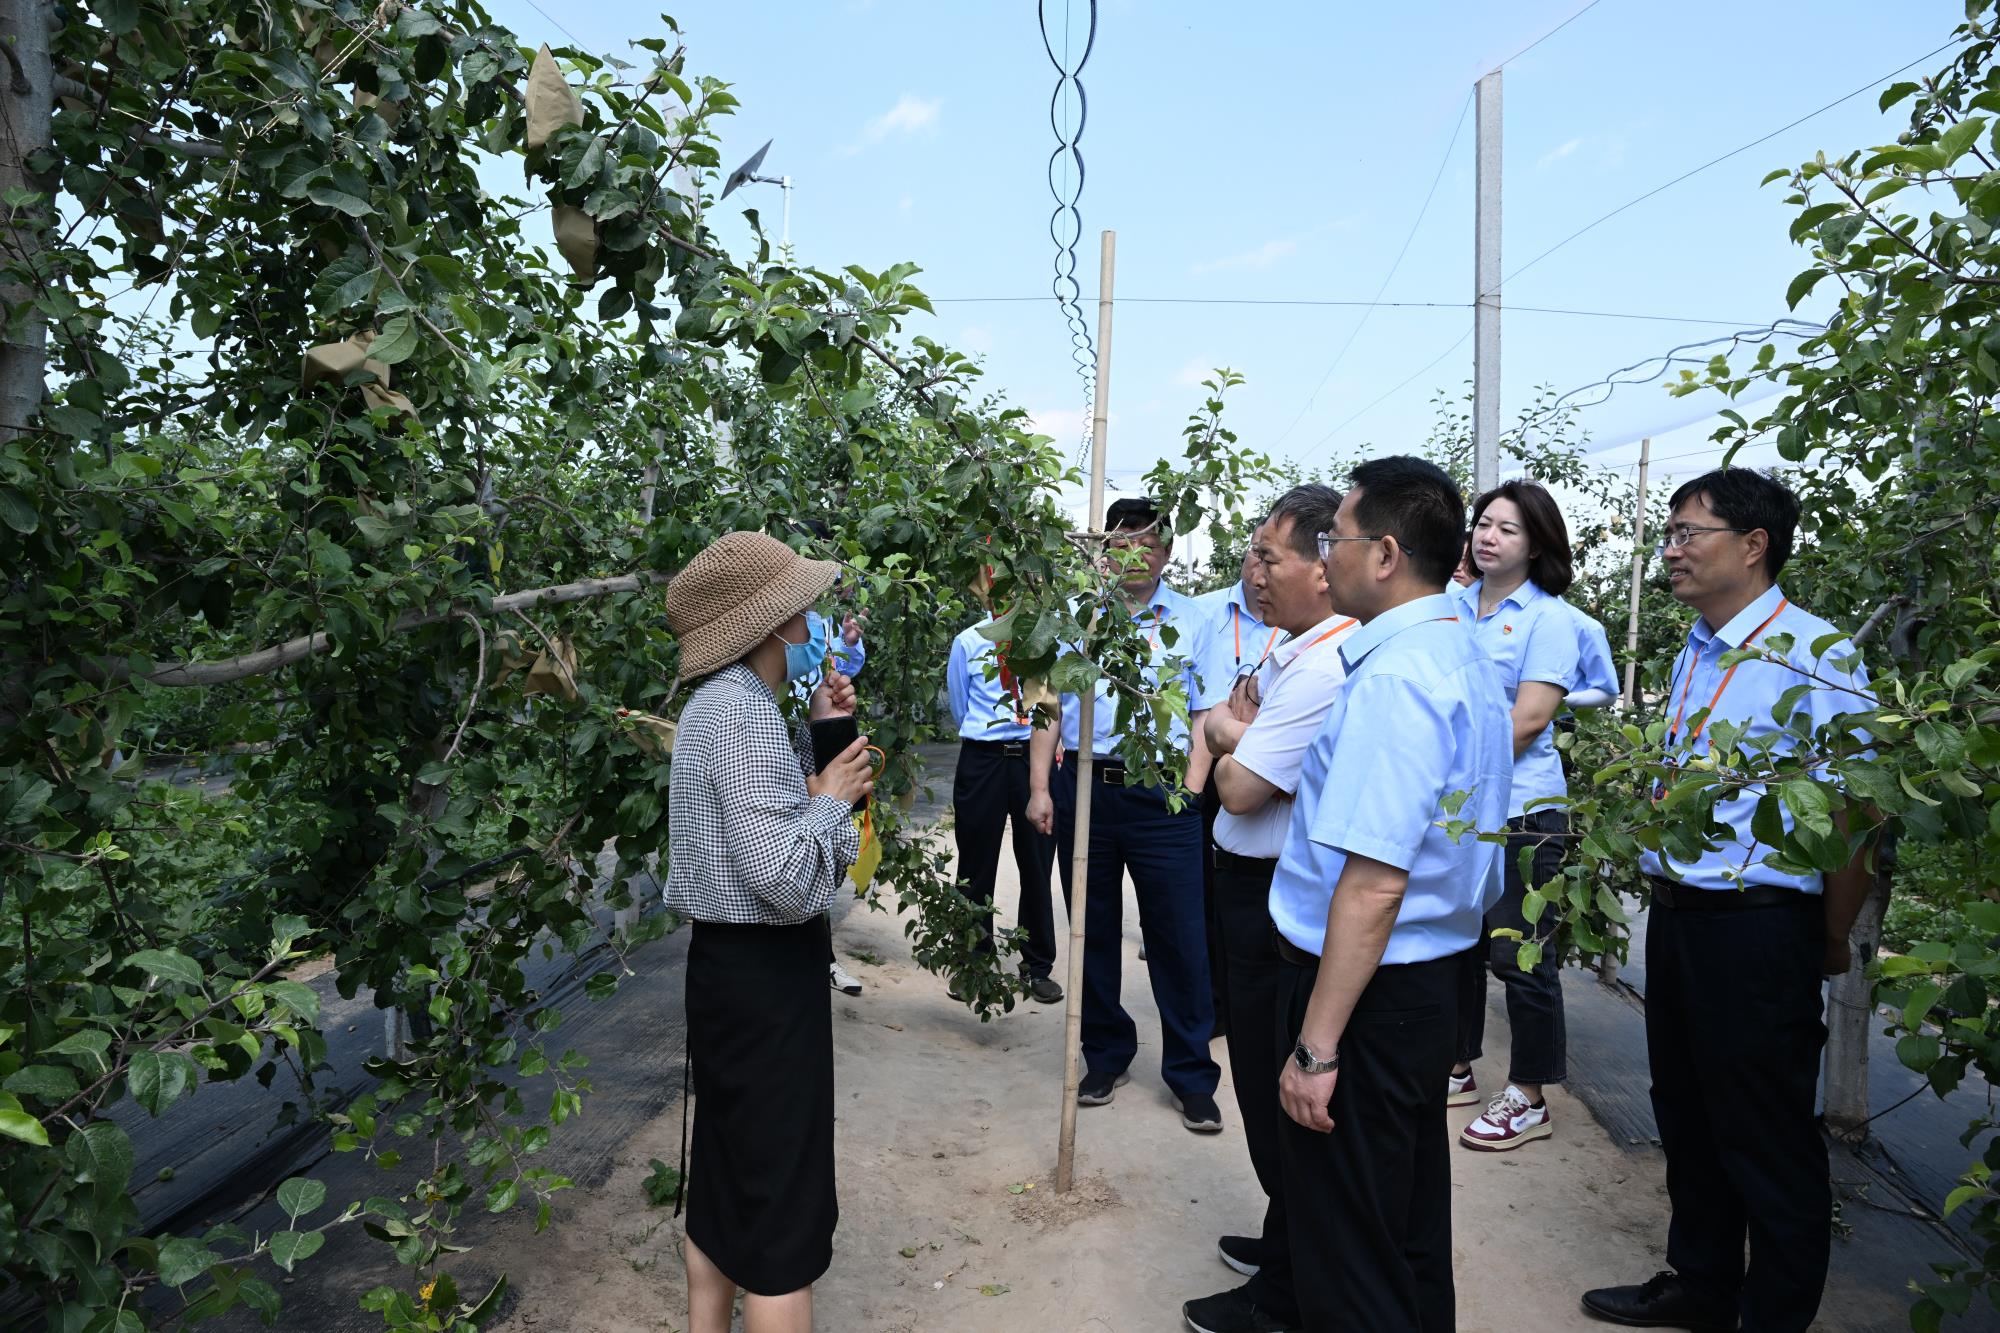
(662, 1185)
(100, 1155)
(18, 1124)
(290, 1248)
(397, 341)
(168, 965)
(17, 513)
(331, 196)
(157, 1079)
(300, 1195)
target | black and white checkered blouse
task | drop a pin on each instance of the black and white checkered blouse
(746, 843)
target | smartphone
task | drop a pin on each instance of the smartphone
(831, 736)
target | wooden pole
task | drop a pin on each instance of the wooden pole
(1631, 695)
(1086, 732)
(1486, 290)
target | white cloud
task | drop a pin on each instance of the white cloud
(1064, 425)
(911, 115)
(1603, 152)
(1265, 255)
(1557, 154)
(1195, 371)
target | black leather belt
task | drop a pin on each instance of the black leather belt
(1291, 952)
(1243, 865)
(1012, 749)
(1681, 898)
(1103, 771)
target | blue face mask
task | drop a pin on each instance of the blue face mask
(802, 659)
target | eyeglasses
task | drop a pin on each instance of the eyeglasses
(1675, 539)
(1327, 539)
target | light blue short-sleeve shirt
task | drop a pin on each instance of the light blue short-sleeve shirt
(1162, 608)
(1421, 717)
(1235, 641)
(1531, 637)
(1752, 694)
(1594, 663)
(983, 708)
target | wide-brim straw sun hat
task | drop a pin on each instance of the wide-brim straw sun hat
(735, 593)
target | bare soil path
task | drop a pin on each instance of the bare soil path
(949, 1221)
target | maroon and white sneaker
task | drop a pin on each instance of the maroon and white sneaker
(1508, 1122)
(1461, 1090)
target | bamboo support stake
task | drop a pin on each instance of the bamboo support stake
(1086, 732)
(1638, 580)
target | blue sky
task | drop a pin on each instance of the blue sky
(1281, 152)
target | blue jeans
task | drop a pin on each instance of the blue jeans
(1131, 827)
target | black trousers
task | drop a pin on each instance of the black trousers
(989, 789)
(1218, 956)
(1734, 1029)
(1255, 1039)
(1369, 1204)
(1535, 1018)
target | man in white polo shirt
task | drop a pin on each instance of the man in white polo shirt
(1259, 738)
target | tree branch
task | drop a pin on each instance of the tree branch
(278, 656)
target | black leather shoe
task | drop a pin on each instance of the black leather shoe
(1663, 1300)
(1232, 1312)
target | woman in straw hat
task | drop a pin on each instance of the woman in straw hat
(757, 844)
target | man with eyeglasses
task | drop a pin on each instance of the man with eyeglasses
(1735, 945)
(1374, 898)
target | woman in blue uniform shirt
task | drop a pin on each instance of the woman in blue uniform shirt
(1521, 555)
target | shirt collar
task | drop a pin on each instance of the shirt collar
(1298, 643)
(1392, 622)
(1159, 602)
(1521, 597)
(1742, 623)
(1240, 598)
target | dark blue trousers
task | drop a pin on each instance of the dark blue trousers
(1130, 827)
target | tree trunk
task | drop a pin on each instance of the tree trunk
(1850, 1012)
(26, 84)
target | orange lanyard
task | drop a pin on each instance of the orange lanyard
(1236, 627)
(1349, 623)
(1673, 733)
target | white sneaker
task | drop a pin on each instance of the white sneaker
(839, 978)
(1508, 1122)
(1461, 1090)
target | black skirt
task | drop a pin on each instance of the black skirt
(760, 1186)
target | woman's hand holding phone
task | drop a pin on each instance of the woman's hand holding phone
(850, 777)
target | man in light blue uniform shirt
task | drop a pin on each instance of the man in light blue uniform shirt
(989, 790)
(1374, 901)
(1132, 827)
(1736, 947)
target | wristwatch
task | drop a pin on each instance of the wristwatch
(1303, 1057)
